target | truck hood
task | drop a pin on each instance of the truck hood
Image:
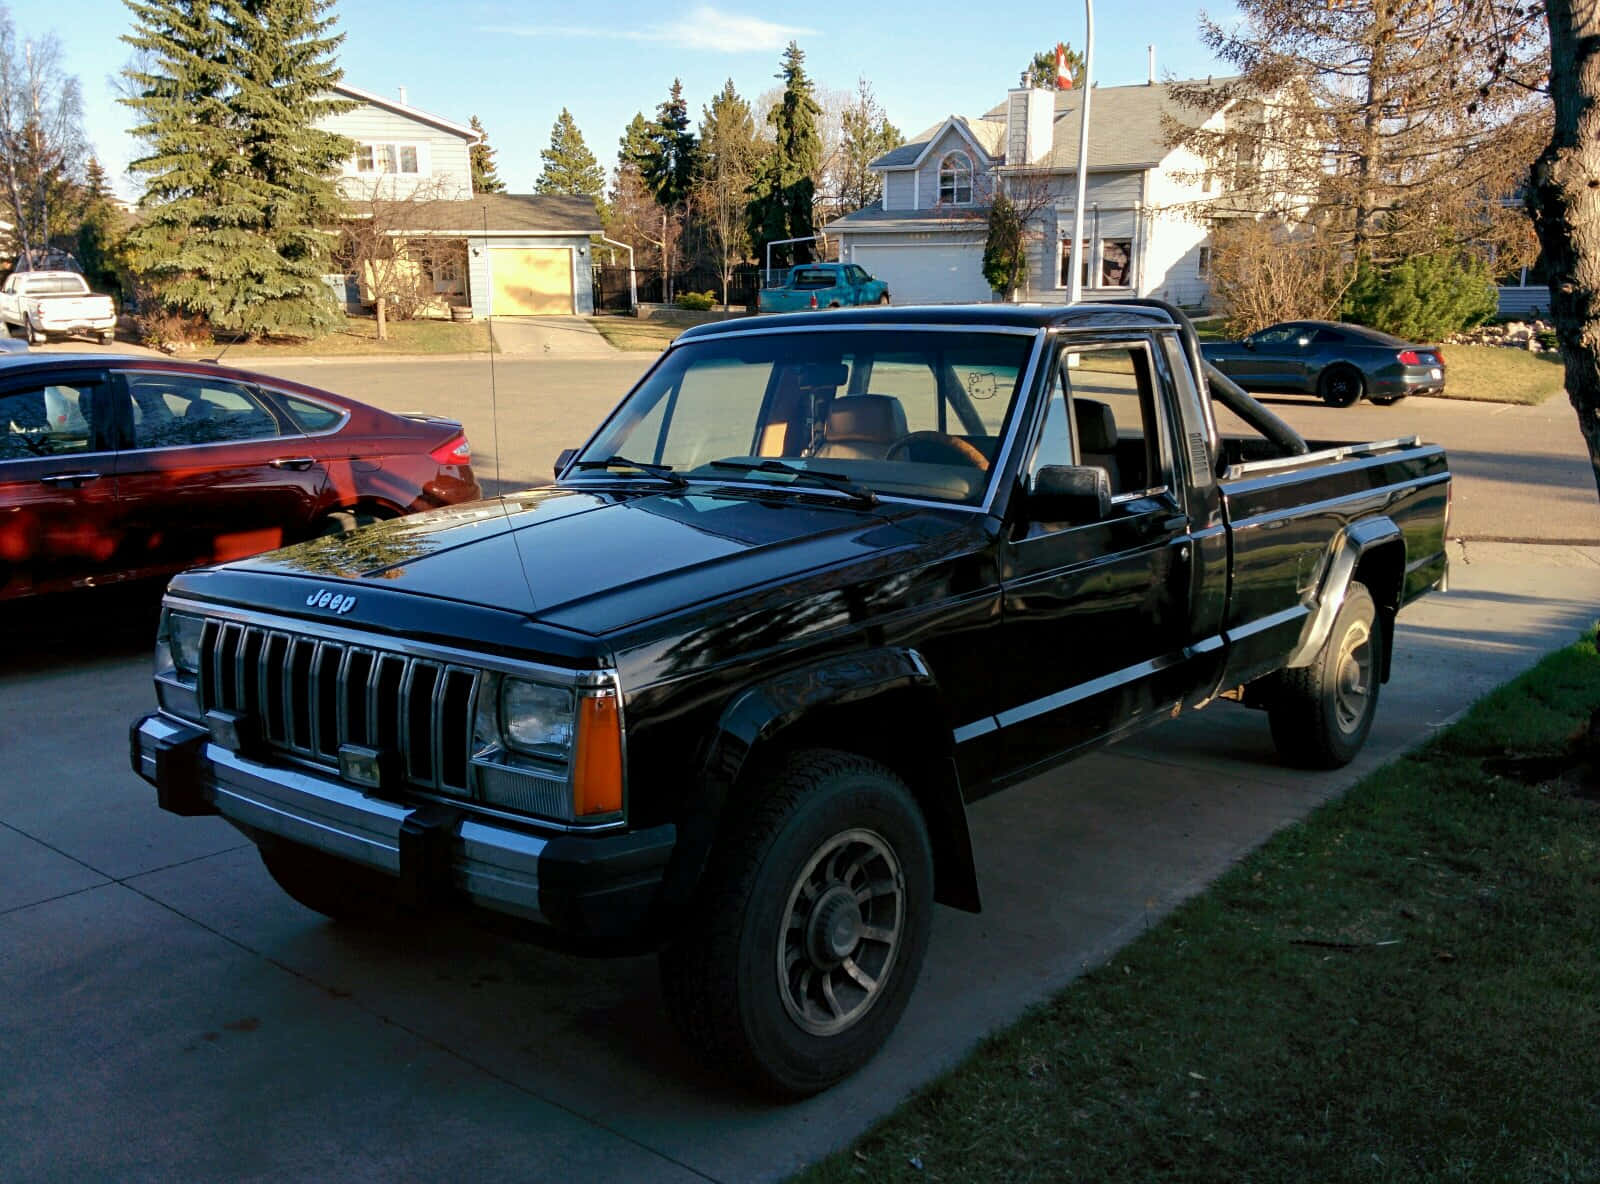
(589, 561)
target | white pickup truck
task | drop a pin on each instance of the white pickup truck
(41, 303)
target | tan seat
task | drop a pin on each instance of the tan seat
(862, 427)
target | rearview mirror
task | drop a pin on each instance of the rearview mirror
(1070, 493)
(566, 456)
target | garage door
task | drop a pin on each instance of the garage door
(531, 281)
(927, 273)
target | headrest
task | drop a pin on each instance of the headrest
(865, 417)
(1097, 427)
(197, 409)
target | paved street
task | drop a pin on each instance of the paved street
(167, 1012)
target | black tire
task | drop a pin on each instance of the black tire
(782, 975)
(346, 892)
(1321, 713)
(34, 336)
(345, 521)
(1386, 400)
(109, 337)
(1341, 386)
(884, 299)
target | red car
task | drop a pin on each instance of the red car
(122, 468)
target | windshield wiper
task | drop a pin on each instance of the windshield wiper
(659, 472)
(837, 481)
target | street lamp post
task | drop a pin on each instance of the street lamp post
(1075, 282)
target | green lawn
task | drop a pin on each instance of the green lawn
(360, 337)
(1496, 375)
(1401, 988)
(630, 333)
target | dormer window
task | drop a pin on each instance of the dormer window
(955, 180)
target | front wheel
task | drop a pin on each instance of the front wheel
(1342, 387)
(808, 932)
(1321, 713)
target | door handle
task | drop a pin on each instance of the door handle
(298, 463)
(1176, 522)
(72, 479)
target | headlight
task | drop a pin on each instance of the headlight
(537, 720)
(183, 632)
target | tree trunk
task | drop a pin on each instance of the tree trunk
(1565, 203)
(383, 324)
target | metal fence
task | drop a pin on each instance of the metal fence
(612, 291)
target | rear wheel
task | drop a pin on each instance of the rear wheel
(1321, 713)
(34, 336)
(884, 299)
(809, 929)
(1341, 386)
(333, 887)
(109, 337)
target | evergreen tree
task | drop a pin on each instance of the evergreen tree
(95, 181)
(668, 168)
(569, 166)
(282, 53)
(631, 213)
(238, 181)
(484, 177)
(783, 191)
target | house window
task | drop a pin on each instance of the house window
(955, 180)
(1202, 266)
(1109, 259)
(387, 158)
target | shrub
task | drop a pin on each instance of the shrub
(696, 301)
(1424, 298)
(1005, 254)
(1264, 272)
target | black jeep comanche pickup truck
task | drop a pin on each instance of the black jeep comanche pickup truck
(725, 688)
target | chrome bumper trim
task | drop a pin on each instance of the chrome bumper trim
(494, 867)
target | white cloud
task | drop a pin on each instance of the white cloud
(704, 28)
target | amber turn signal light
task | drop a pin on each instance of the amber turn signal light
(597, 769)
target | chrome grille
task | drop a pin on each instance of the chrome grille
(307, 696)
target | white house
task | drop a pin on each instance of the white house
(501, 254)
(1142, 236)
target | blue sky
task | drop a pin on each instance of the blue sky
(515, 65)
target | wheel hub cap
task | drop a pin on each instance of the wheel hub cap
(835, 928)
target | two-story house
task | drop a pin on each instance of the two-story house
(1141, 233)
(499, 254)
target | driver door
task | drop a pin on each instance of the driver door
(1096, 622)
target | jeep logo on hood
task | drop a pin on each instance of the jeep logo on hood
(333, 601)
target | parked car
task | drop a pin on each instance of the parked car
(725, 689)
(823, 285)
(41, 303)
(123, 468)
(1337, 362)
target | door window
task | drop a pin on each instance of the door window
(54, 418)
(178, 410)
(1103, 413)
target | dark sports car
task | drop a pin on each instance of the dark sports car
(1339, 363)
(120, 468)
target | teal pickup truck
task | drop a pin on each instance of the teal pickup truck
(823, 285)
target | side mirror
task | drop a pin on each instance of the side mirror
(1070, 493)
(1248, 343)
(564, 459)
(1302, 342)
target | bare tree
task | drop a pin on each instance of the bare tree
(1565, 202)
(399, 246)
(1268, 271)
(42, 148)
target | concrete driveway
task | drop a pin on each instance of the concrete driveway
(168, 1013)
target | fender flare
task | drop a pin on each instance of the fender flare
(760, 714)
(1358, 541)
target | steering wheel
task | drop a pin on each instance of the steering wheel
(936, 448)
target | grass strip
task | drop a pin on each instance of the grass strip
(1402, 987)
(631, 334)
(359, 338)
(1496, 374)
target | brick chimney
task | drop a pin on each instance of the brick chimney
(1030, 123)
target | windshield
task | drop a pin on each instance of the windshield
(902, 413)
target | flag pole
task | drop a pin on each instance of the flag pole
(1075, 282)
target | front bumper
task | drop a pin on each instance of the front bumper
(587, 886)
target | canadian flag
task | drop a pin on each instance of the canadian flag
(1063, 71)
